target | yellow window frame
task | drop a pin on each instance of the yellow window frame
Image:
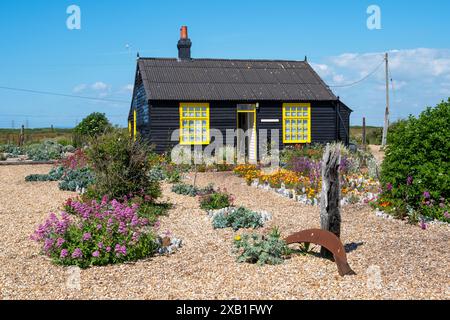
(296, 117)
(194, 118)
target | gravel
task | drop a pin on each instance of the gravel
(393, 260)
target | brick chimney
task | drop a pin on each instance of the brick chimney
(184, 45)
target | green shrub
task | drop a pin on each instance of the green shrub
(121, 166)
(93, 125)
(270, 249)
(240, 218)
(11, 150)
(417, 162)
(217, 200)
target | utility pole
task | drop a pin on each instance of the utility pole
(386, 114)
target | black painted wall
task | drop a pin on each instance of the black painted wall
(165, 119)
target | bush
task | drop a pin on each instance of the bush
(270, 249)
(121, 166)
(417, 163)
(216, 200)
(93, 125)
(240, 218)
(97, 234)
(11, 150)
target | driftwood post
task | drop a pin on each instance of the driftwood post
(364, 134)
(22, 136)
(330, 215)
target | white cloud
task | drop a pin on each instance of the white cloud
(127, 89)
(79, 88)
(99, 86)
(420, 78)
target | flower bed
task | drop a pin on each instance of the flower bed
(96, 234)
(356, 188)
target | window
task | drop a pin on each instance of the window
(296, 123)
(194, 123)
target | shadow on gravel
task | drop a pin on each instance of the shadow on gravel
(349, 247)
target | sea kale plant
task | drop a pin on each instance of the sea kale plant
(190, 190)
(96, 234)
(261, 249)
(238, 218)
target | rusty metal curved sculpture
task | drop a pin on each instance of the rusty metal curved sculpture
(329, 241)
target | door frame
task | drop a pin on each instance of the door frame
(254, 125)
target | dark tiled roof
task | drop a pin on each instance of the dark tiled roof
(215, 79)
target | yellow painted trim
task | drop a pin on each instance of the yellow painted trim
(192, 105)
(129, 128)
(308, 118)
(134, 125)
(255, 123)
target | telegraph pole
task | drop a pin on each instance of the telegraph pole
(386, 114)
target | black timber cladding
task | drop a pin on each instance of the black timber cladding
(166, 118)
(231, 80)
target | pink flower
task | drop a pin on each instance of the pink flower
(64, 253)
(60, 242)
(87, 236)
(426, 195)
(95, 254)
(77, 253)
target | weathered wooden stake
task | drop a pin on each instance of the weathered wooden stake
(330, 215)
(364, 134)
(22, 136)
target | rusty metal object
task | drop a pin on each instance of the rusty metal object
(329, 241)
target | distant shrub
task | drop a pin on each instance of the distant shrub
(121, 166)
(416, 168)
(11, 150)
(240, 218)
(55, 174)
(269, 249)
(93, 125)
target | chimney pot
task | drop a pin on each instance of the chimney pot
(184, 32)
(184, 45)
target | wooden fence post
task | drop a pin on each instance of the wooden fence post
(330, 215)
(364, 134)
(22, 136)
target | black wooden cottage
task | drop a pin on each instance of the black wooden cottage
(194, 95)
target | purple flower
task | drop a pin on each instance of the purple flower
(442, 205)
(64, 253)
(95, 254)
(446, 215)
(60, 242)
(87, 236)
(426, 195)
(423, 225)
(409, 180)
(100, 245)
(77, 253)
(108, 249)
(389, 187)
(120, 250)
(99, 226)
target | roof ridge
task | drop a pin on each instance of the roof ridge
(223, 59)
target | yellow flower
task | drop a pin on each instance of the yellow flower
(237, 238)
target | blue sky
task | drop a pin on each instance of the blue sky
(38, 52)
